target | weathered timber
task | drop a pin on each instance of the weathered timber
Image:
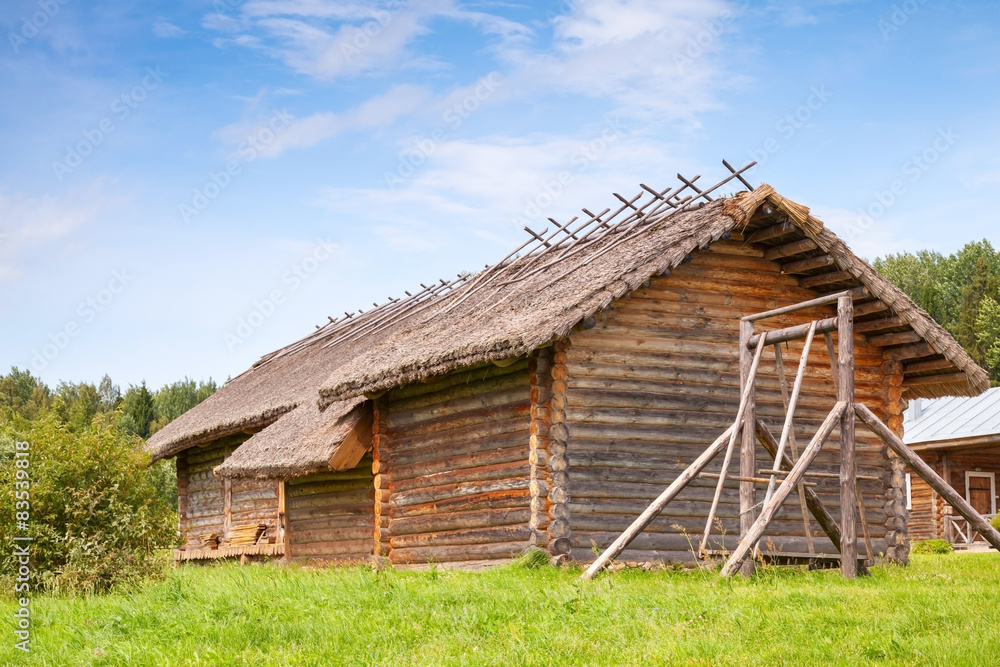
(848, 465)
(928, 474)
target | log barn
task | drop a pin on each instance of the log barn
(548, 398)
(960, 439)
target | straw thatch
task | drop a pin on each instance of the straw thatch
(300, 442)
(501, 320)
(525, 303)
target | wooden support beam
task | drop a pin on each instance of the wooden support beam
(826, 279)
(878, 325)
(823, 517)
(863, 309)
(811, 303)
(926, 366)
(748, 445)
(806, 265)
(756, 531)
(790, 249)
(773, 232)
(745, 399)
(919, 466)
(848, 461)
(803, 507)
(924, 380)
(914, 351)
(818, 475)
(657, 505)
(796, 332)
(894, 339)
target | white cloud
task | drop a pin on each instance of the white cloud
(166, 30)
(31, 222)
(379, 111)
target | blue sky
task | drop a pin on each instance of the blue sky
(186, 186)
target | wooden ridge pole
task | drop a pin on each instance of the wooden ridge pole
(919, 466)
(657, 505)
(744, 401)
(756, 531)
(848, 461)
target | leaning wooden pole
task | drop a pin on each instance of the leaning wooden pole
(744, 401)
(756, 531)
(823, 517)
(848, 462)
(919, 466)
(657, 505)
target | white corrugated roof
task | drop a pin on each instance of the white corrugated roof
(951, 418)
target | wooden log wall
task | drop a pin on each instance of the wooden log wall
(330, 515)
(453, 477)
(657, 380)
(207, 504)
(927, 515)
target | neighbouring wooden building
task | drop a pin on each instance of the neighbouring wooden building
(546, 400)
(960, 439)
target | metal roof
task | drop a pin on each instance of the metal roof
(952, 418)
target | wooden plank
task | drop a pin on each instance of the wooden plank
(348, 453)
(910, 352)
(927, 366)
(796, 332)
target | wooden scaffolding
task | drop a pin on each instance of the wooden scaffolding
(790, 468)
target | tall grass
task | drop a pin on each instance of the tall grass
(942, 609)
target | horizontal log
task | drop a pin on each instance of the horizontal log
(421, 496)
(518, 410)
(924, 380)
(461, 406)
(869, 308)
(342, 534)
(300, 525)
(439, 383)
(500, 471)
(790, 249)
(478, 437)
(880, 324)
(447, 554)
(793, 333)
(363, 509)
(910, 352)
(468, 390)
(331, 487)
(358, 548)
(458, 461)
(890, 339)
(806, 265)
(928, 366)
(516, 498)
(474, 537)
(824, 279)
(773, 232)
(331, 500)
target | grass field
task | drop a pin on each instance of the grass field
(940, 610)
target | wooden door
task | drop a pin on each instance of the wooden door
(980, 491)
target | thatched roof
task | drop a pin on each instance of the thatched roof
(509, 316)
(302, 441)
(525, 302)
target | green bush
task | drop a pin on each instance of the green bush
(95, 515)
(996, 522)
(933, 547)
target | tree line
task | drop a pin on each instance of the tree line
(961, 291)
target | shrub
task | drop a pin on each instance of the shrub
(96, 518)
(933, 547)
(996, 522)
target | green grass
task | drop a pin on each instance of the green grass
(940, 610)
